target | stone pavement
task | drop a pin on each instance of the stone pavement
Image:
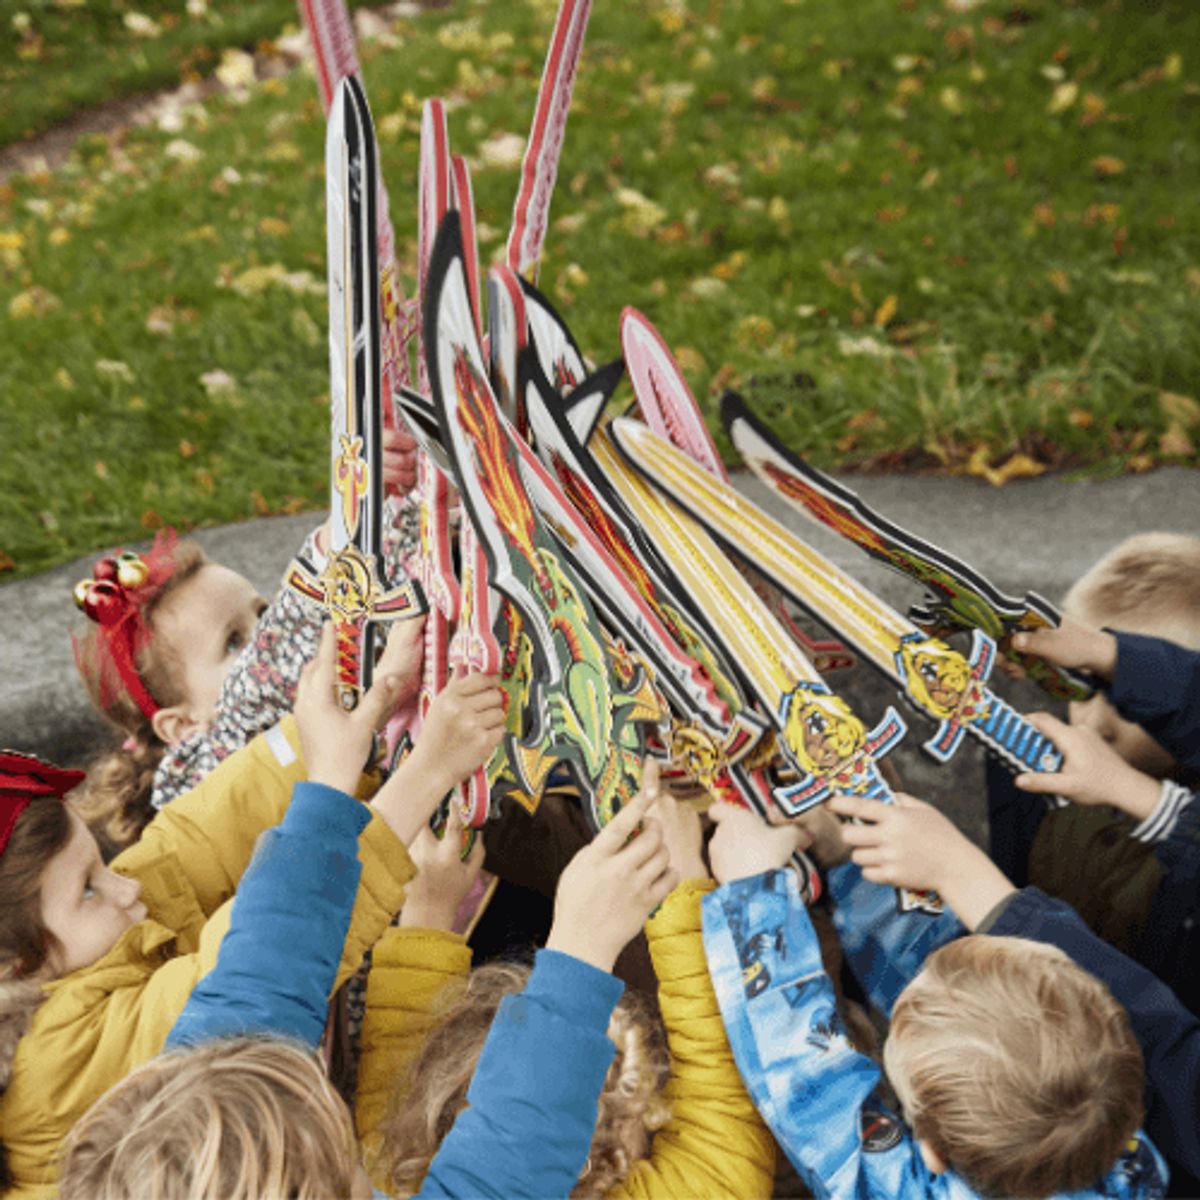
(1038, 534)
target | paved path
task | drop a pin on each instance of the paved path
(1037, 534)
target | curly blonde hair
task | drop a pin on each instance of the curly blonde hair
(432, 1093)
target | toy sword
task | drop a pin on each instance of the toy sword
(937, 680)
(669, 408)
(958, 598)
(827, 745)
(592, 702)
(350, 584)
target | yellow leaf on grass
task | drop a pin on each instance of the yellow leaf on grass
(274, 227)
(33, 302)
(1139, 463)
(1178, 409)
(1176, 442)
(885, 312)
(1059, 281)
(1081, 418)
(1064, 96)
(186, 449)
(1107, 165)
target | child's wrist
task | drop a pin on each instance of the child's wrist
(1138, 794)
(1102, 656)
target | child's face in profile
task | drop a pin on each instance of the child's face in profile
(84, 905)
(206, 622)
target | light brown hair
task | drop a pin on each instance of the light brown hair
(115, 799)
(40, 832)
(1017, 1067)
(433, 1092)
(1149, 583)
(238, 1119)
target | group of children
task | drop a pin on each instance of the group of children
(171, 936)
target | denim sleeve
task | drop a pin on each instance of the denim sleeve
(817, 1094)
(279, 959)
(884, 946)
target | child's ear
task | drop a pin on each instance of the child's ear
(172, 725)
(933, 1160)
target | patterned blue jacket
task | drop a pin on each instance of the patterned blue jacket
(818, 1095)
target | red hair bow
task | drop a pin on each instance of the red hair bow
(115, 597)
(24, 778)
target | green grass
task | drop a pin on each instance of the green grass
(867, 217)
(60, 56)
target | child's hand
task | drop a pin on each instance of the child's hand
(403, 657)
(680, 824)
(910, 844)
(444, 877)
(746, 845)
(399, 461)
(336, 743)
(611, 887)
(827, 845)
(463, 727)
(1092, 771)
(1072, 644)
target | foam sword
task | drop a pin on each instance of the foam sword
(350, 585)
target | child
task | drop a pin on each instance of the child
(1017, 1072)
(698, 1135)
(186, 657)
(536, 1083)
(911, 841)
(1132, 880)
(104, 959)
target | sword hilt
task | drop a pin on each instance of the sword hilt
(1010, 735)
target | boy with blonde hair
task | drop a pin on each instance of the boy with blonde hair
(1018, 1073)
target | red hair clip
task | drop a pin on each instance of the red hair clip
(114, 597)
(24, 778)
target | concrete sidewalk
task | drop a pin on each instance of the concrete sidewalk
(1038, 534)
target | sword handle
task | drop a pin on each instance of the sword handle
(1006, 732)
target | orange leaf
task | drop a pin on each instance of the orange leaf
(885, 312)
(1176, 442)
(1107, 165)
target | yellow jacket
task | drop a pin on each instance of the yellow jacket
(98, 1023)
(715, 1143)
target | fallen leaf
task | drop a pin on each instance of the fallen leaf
(274, 227)
(1176, 443)
(1179, 409)
(885, 312)
(7, 562)
(63, 378)
(1059, 281)
(1064, 96)
(150, 520)
(1106, 165)
(1081, 418)
(186, 449)
(753, 333)
(33, 302)
(101, 469)
(1138, 464)
(1044, 215)
(1018, 466)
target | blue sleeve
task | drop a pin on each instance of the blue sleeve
(884, 946)
(1168, 1033)
(817, 1094)
(533, 1100)
(279, 959)
(1014, 818)
(1157, 684)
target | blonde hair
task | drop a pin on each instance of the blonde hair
(115, 798)
(433, 1092)
(235, 1119)
(1149, 583)
(1016, 1066)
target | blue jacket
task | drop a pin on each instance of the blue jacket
(278, 961)
(1168, 1032)
(819, 1096)
(533, 1099)
(532, 1103)
(1157, 684)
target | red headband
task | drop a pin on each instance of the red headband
(115, 597)
(24, 778)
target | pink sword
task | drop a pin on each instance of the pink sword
(539, 168)
(474, 645)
